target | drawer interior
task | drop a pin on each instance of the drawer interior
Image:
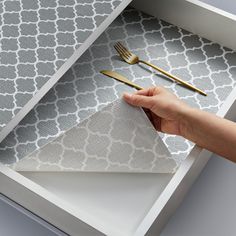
(83, 90)
(40, 41)
(116, 204)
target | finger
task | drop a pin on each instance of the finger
(145, 92)
(150, 91)
(138, 100)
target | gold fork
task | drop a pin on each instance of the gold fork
(131, 58)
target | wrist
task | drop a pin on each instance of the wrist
(186, 127)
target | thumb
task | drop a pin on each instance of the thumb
(138, 100)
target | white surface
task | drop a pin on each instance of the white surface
(177, 187)
(15, 220)
(209, 209)
(226, 5)
(119, 202)
(62, 207)
(195, 16)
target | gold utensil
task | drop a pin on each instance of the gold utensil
(121, 78)
(131, 58)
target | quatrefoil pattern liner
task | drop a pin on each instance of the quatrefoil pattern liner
(36, 38)
(83, 90)
(118, 138)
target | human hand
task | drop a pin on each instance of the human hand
(163, 108)
(169, 114)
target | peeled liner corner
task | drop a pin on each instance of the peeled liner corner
(118, 138)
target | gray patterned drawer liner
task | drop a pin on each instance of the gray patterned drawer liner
(118, 138)
(36, 38)
(83, 90)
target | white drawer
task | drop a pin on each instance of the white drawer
(125, 204)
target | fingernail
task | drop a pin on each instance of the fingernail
(126, 95)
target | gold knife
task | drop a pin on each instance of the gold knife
(121, 78)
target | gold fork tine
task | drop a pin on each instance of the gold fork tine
(125, 50)
(123, 54)
(122, 46)
(122, 51)
(118, 49)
